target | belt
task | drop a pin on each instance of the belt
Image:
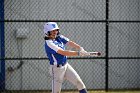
(63, 64)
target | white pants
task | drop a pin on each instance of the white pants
(64, 72)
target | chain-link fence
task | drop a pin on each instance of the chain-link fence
(109, 26)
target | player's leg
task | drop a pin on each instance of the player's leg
(57, 75)
(75, 79)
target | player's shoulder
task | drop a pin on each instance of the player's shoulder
(48, 41)
(62, 37)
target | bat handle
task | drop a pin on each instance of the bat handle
(95, 53)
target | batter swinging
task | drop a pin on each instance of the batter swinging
(60, 69)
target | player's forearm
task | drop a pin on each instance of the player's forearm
(68, 53)
(74, 45)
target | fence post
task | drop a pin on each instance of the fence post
(107, 45)
(2, 48)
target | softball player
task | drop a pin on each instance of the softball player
(60, 69)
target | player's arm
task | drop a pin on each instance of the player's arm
(81, 50)
(74, 45)
(55, 49)
(68, 52)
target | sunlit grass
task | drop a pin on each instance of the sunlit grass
(45, 91)
(104, 92)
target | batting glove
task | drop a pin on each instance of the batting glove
(83, 53)
(82, 49)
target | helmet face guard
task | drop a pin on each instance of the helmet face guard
(50, 26)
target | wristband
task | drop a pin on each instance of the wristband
(78, 52)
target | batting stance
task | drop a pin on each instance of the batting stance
(60, 69)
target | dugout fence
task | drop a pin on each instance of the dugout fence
(109, 26)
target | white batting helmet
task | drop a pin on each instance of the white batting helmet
(49, 26)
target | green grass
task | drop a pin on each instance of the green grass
(105, 92)
(114, 92)
(45, 91)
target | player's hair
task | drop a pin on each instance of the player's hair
(46, 36)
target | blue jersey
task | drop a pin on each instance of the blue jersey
(52, 46)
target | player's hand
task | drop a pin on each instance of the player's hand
(82, 49)
(84, 53)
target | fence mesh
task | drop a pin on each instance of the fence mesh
(124, 40)
(82, 21)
